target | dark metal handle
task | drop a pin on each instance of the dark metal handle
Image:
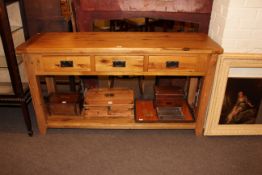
(66, 64)
(172, 64)
(119, 63)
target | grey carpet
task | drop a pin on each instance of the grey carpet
(122, 152)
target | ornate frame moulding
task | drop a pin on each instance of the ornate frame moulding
(236, 68)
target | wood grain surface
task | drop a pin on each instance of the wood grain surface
(119, 42)
(144, 54)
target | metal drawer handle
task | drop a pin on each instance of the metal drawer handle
(65, 64)
(172, 64)
(119, 63)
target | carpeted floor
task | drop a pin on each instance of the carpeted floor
(122, 152)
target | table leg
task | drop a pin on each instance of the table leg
(36, 93)
(205, 96)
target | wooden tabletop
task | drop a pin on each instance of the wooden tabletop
(119, 42)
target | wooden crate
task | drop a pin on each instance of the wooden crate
(109, 102)
(176, 111)
(169, 102)
(171, 105)
(168, 92)
(64, 104)
(145, 111)
(168, 96)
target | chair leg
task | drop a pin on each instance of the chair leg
(27, 118)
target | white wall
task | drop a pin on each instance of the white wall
(237, 25)
(218, 20)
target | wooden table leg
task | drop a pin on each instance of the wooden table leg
(36, 93)
(205, 95)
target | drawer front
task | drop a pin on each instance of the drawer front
(119, 63)
(64, 63)
(194, 63)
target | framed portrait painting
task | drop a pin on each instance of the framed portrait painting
(236, 102)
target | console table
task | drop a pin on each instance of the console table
(144, 54)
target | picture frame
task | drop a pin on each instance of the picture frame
(233, 72)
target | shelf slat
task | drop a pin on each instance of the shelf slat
(111, 123)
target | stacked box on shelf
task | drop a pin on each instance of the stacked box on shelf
(145, 111)
(171, 104)
(109, 102)
(64, 103)
(168, 95)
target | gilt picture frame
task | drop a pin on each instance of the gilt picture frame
(235, 106)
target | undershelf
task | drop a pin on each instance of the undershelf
(110, 123)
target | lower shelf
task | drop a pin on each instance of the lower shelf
(111, 123)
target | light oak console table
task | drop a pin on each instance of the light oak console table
(142, 54)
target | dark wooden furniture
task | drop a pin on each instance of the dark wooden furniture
(145, 111)
(49, 16)
(64, 103)
(195, 11)
(14, 93)
(45, 16)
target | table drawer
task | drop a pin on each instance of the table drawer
(119, 63)
(188, 63)
(64, 63)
